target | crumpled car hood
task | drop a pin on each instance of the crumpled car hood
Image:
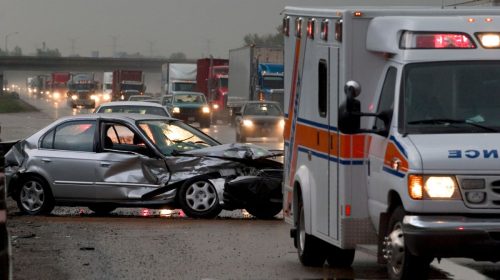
(235, 151)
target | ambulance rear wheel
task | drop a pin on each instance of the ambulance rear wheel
(337, 257)
(401, 264)
(311, 249)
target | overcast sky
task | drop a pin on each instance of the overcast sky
(195, 27)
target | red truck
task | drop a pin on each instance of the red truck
(127, 83)
(211, 80)
(59, 84)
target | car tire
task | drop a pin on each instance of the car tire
(401, 264)
(102, 209)
(265, 212)
(337, 257)
(199, 199)
(311, 250)
(34, 196)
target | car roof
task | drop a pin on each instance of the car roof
(131, 103)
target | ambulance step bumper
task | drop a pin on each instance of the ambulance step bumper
(453, 236)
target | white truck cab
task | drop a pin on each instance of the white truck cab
(392, 135)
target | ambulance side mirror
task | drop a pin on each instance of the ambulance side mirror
(350, 110)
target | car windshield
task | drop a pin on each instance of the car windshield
(174, 137)
(262, 109)
(189, 98)
(451, 97)
(133, 109)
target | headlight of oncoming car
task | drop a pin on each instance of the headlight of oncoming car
(433, 187)
(176, 110)
(247, 123)
(74, 97)
(282, 124)
(205, 110)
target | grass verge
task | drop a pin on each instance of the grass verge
(11, 103)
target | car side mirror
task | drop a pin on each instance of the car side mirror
(237, 113)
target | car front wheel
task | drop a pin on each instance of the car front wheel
(34, 196)
(198, 199)
(401, 264)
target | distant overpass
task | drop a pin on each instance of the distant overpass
(98, 64)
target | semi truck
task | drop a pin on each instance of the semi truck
(127, 83)
(59, 84)
(82, 90)
(391, 135)
(212, 80)
(255, 73)
(179, 77)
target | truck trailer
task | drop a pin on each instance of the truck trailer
(59, 85)
(179, 77)
(391, 135)
(255, 73)
(127, 83)
(212, 80)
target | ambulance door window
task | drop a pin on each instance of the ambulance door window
(322, 88)
(386, 103)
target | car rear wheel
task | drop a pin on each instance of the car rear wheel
(34, 197)
(198, 199)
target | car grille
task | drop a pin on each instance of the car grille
(492, 190)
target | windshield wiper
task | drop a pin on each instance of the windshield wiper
(452, 121)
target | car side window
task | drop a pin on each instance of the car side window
(386, 103)
(72, 136)
(120, 137)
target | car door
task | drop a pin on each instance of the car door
(127, 166)
(66, 157)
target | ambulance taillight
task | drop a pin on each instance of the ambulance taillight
(435, 40)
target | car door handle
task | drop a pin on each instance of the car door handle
(46, 160)
(105, 164)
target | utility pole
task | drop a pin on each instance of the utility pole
(114, 39)
(73, 46)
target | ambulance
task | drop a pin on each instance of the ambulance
(392, 135)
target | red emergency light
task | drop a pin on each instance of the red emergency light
(286, 26)
(435, 40)
(324, 30)
(310, 28)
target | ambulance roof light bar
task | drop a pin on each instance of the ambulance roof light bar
(435, 40)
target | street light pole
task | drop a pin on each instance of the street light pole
(7, 39)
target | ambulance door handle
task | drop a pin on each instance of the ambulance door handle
(368, 167)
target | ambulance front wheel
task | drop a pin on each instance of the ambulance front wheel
(401, 264)
(311, 249)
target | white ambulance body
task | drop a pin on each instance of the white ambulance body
(422, 179)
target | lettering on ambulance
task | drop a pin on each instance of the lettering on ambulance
(473, 154)
(396, 158)
(291, 120)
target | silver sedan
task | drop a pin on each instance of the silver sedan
(105, 161)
